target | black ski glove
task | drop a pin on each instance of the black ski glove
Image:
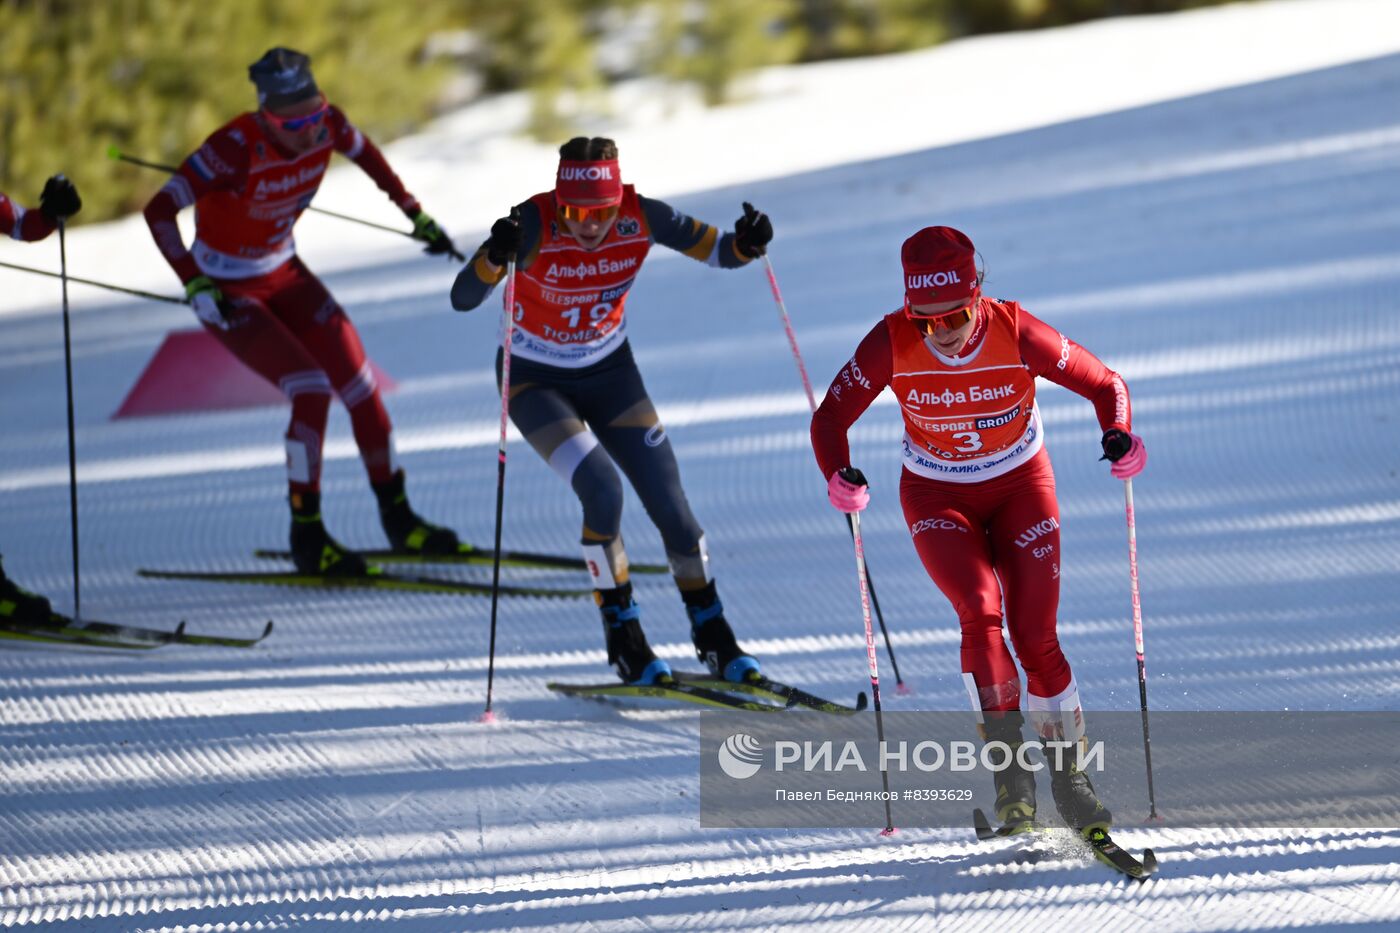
(505, 239)
(60, 199)
(1116, 444)
(853, 476)
(752, 232)
(426, 230)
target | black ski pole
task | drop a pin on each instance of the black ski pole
(114, 153)
(899, 686)
(509, 311)
(1137, 642)
(95, 284)
(72, 445)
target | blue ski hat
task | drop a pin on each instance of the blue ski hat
(282, 77)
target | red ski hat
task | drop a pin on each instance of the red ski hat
(940, 265)
(599, 182)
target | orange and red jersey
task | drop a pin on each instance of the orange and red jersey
(21, 224)
(570, 302)
(971, 417)
(248, 193)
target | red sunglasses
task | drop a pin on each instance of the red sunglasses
(292, 124)
(950, 320)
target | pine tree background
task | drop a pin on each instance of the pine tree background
(154, 77)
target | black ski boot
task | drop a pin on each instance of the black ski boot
(1079, 806)
(1015, 785)
(19, 606)
(407, 531)
(314, 551)
(628, 652)
(714, 639)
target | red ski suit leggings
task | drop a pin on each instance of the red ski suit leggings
(288, 329)
(989, 543)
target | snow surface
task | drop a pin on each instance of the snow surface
(1205, 200)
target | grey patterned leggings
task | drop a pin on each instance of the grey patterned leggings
(587, 422)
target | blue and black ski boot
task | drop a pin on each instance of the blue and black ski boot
(628, 652)
(713, 638)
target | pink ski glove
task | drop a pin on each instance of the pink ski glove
(848, 490)
(1127, 452)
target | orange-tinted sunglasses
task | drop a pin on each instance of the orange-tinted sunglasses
(601, 212)
(951, 320)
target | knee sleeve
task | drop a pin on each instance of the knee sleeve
(1059, 716)
(607, 562)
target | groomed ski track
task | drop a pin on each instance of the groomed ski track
(1234, 253)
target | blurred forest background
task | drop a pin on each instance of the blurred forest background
(154, 77)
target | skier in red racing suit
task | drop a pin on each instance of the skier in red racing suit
(977, 488)
(249, 183)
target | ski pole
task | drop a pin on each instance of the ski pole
(114, 153)
(871, 657)
(95, 284)
(1137, 639)
(509, 311)
(72, 446)
(899, 686)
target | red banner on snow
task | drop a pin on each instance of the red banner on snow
(193, 372)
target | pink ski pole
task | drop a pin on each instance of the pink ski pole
(1137, 641)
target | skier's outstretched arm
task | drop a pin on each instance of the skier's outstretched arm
(360, 149)
(704, 242)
